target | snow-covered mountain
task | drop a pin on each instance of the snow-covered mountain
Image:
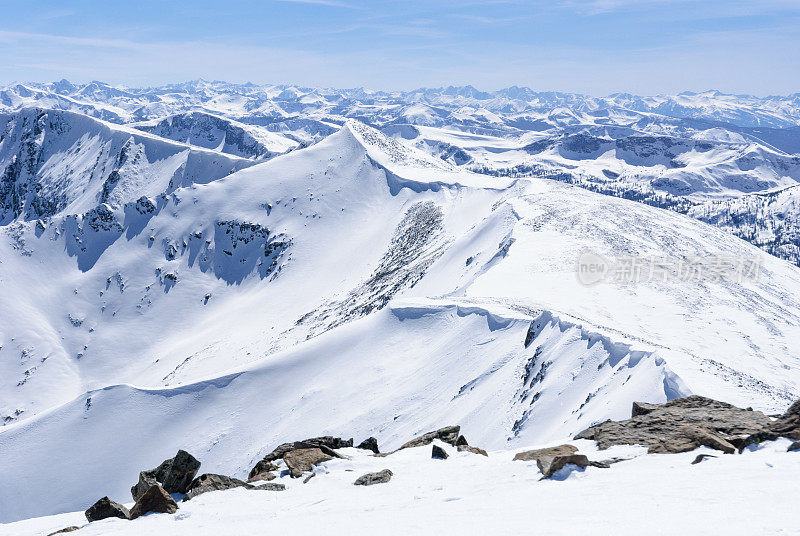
(220, 267)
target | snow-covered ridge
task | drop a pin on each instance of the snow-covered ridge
(57, 161)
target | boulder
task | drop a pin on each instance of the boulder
(301, 460)
(680, 425)
(264, 476)
(211, 482)
(323, 443)
(448, 434)
(549, 466)
(174, 475)
(64, 530)
(381, 477)
(262, 467)
(180, 473)
(474, 450)
(794, 447)
(461, 441)
(369, 444)
(105, 508)
(551, 452)
(155, 499)
(438, 453)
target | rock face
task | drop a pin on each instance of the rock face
(788, 424)
(174, 474)
(181, 472)
(155, 499)
(211, 482)
(369, 444)
(105, 508)
(438, 453)
(263, 476)
(381, 477)
(474, 450)
(301, 460)
(326, 444)
(448, 434)
(680, 425)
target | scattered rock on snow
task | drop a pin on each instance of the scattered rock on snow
(263, 476)
(461, 441)
(381, 477)
(448, 434)
(155, 499)
(64, 530)
(702, 457)
(550, 452)
(105, 508)
(211, 482)
(794, 447)
(301, 460)
(549, 466)
(326, 444)
(474, 450)
(438, 453)
(369, 444)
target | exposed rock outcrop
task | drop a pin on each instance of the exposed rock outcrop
(211, 482)
(325, 443)
(369, 444)
(680, 425)
(174, 475)
(448, 434)
(474, 450)
(300, 461)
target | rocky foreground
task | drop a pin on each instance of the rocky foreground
(680, 426)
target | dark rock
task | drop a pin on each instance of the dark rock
(146, 481)
(549, 466)
(181, 472)
(264, 476)
(643, 408)
(105, 508)
(262, 467)
(461, 441)
(788, 424)
(474, 450)
(448, 434)
(381, 477)
(794, 447)
(155, 499)
(65, 530)
(702, 457)
(301, 460)
(211, 482)
(551, 452)
(438, 453)
(174, 475)
(680, 425)
(742, 442)
(309, 477)
(322, 443)
(369, 444)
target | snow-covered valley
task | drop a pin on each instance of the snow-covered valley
(221, 268)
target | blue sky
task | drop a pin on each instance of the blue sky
(588, 46)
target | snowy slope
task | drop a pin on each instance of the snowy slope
(55, 161)
(472, 494)
(357, 287)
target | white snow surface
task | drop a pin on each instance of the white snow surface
(471, 494)
(359, 287)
